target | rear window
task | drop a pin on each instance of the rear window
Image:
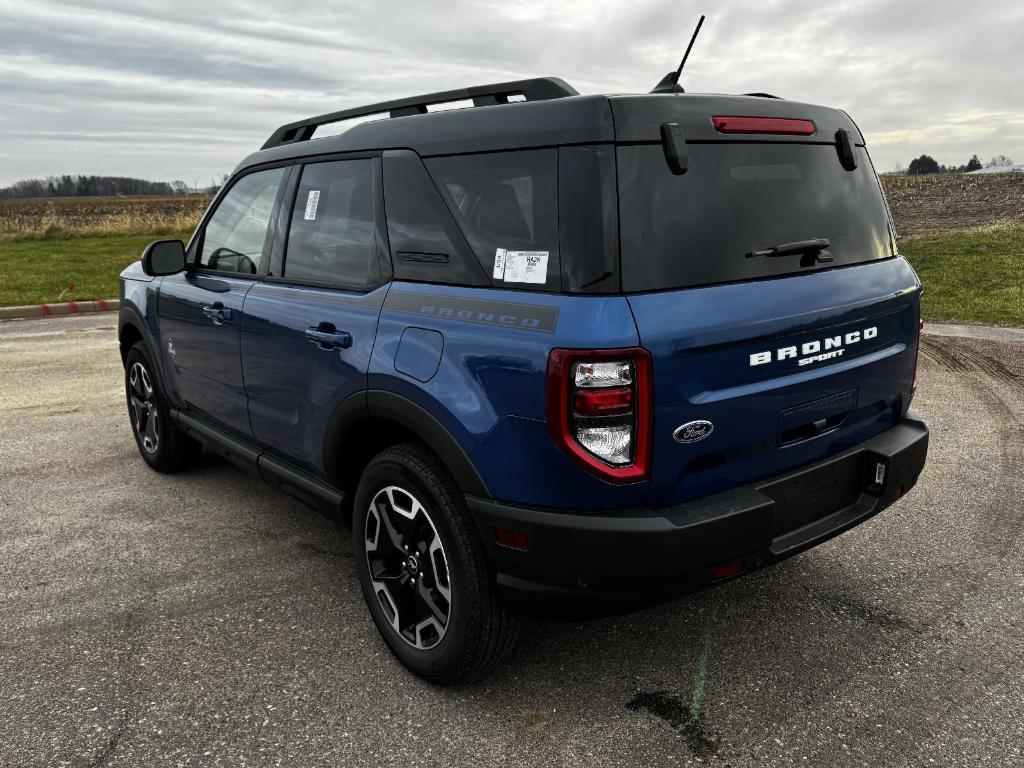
(506, 201)
(697, 228)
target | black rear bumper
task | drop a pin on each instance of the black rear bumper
(616, 560)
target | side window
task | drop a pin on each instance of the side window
(426, 243)
(235, 235)
(507, 204)
(331, 238)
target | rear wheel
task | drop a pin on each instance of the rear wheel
(423, 571)
(164, 447)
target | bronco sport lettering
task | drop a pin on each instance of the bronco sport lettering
(813, 347)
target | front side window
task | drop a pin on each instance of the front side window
(332, 235)
(236, 234)
(507, 203)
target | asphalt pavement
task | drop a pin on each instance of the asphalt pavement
(207, 620)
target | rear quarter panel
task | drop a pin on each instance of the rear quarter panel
(490, 382)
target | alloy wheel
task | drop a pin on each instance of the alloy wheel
(408, 567)
(142, 399)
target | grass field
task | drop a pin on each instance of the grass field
(972, 276)
(36, 271)
(969, 277)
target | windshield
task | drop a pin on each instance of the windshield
(737, 198)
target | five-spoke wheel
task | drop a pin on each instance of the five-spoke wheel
(408, 568)
(423, 569)
(164, 447)
(142, 400)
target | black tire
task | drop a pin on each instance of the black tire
(480, 630)
(163, 446)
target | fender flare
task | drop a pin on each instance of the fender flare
(129, 315)
(382, 404)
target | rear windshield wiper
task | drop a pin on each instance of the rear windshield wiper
(815, 250)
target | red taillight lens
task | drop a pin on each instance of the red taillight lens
(599, 410)
(777, 126)
(614, 401)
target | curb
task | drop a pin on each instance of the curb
(65, 308)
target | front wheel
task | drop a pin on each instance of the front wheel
(164, 447)
(423, 571)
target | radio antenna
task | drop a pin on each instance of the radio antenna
(670, 82)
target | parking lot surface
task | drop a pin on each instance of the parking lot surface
(205, 619)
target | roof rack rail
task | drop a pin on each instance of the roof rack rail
(763, 95)
(537, 89)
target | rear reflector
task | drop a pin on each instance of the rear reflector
(776, 126)
(506, 537)
(727, 570)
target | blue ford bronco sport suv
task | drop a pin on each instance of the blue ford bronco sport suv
(549, 351)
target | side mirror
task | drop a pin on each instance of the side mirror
(163, 257)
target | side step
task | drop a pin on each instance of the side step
(295, 482)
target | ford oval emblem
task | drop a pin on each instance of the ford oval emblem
(692, 431)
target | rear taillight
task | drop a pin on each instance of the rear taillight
(777, 126)
(599, 410)
(917, 356)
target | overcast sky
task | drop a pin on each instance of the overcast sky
(184, 90)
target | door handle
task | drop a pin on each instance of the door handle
(218, 313)
(328, 338)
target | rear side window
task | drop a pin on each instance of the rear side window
(332, 235)
(426, 243)
(697, 228)
(506, 203)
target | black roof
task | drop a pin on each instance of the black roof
(549, 113)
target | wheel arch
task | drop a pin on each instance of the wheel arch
(368, 422)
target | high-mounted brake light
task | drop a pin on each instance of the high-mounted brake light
(599, 410)
(776, 126)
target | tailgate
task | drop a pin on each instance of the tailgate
(786, 371)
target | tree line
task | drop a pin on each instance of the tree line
(928, 164)
(95, 186)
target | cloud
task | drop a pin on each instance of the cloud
(147, 88)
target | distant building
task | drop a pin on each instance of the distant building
(1000, 169)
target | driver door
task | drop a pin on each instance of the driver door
(200, 309)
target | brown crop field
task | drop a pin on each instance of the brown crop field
(64, 217)
(922, 205)
(925, 205)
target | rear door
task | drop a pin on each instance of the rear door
(200, 309)
(763, 360)
(310, 324)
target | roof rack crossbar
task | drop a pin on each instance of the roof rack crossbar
(537, 89)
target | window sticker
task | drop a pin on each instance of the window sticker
(499, 264)
(311, 203)
(521, 266)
